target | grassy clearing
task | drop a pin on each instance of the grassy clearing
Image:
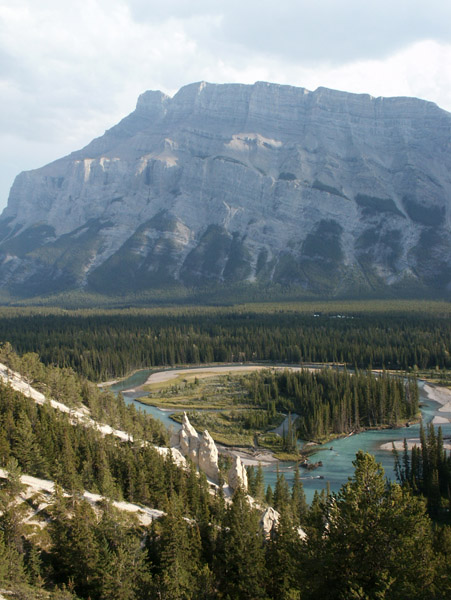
(200, 390)
(272, 441)
(219, 403)
(182, 380)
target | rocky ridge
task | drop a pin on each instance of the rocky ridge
(332, 192)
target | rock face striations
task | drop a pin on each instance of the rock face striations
(332, 192)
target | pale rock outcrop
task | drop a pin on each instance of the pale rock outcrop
(270, 520)
(177, 456)
(45, 488)
(174, 441)
(208, 457)
(201, 451)
(189, 440)
(237, 474)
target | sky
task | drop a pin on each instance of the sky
(70, 70)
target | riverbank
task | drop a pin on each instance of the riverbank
(190, 388)
(440, 395)
(206, 371)
(103, 384)
(411, 442)
(336, 456)
(212, 370)
(249, 457)
(216, 391)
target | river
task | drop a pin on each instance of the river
(336, 456)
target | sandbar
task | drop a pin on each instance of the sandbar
(438, 394)
(441, 395)
(250, 457)
(163, 376)
(411, 442)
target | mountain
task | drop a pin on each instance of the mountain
(328, 192)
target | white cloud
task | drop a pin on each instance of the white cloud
(69, 70)
(306, 30)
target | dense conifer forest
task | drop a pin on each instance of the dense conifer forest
(105, 345)
(334, 402)
(371, 540)
(426, 470)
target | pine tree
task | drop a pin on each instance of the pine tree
(242, 556)
(12, 515)
(442, 547)
(370, 524)
(259, 491)
(397, 464)
(11, 562)
(179, 553)
(281, 492)
(76, 550)
(124, 574)
(12, 510)
(299, 506)
(25, 447)
(406, 462)
(282, 560)
(33, 565)
(251, 480)
(269, 496)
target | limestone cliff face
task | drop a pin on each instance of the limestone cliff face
(333, 192)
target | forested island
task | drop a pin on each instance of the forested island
(334, 402)
(125, 521)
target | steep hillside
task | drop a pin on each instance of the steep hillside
(330, 192)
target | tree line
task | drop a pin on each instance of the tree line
(330, 401)
(65, 385)
(102, 346)
(426, 470)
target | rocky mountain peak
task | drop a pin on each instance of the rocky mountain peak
(153, 103)
(329, 192)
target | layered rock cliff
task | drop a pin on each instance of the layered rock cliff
(332, 192)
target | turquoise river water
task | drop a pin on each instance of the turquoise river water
(336, 456)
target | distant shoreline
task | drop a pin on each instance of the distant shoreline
(163, 376)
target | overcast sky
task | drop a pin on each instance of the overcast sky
(69, 70)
